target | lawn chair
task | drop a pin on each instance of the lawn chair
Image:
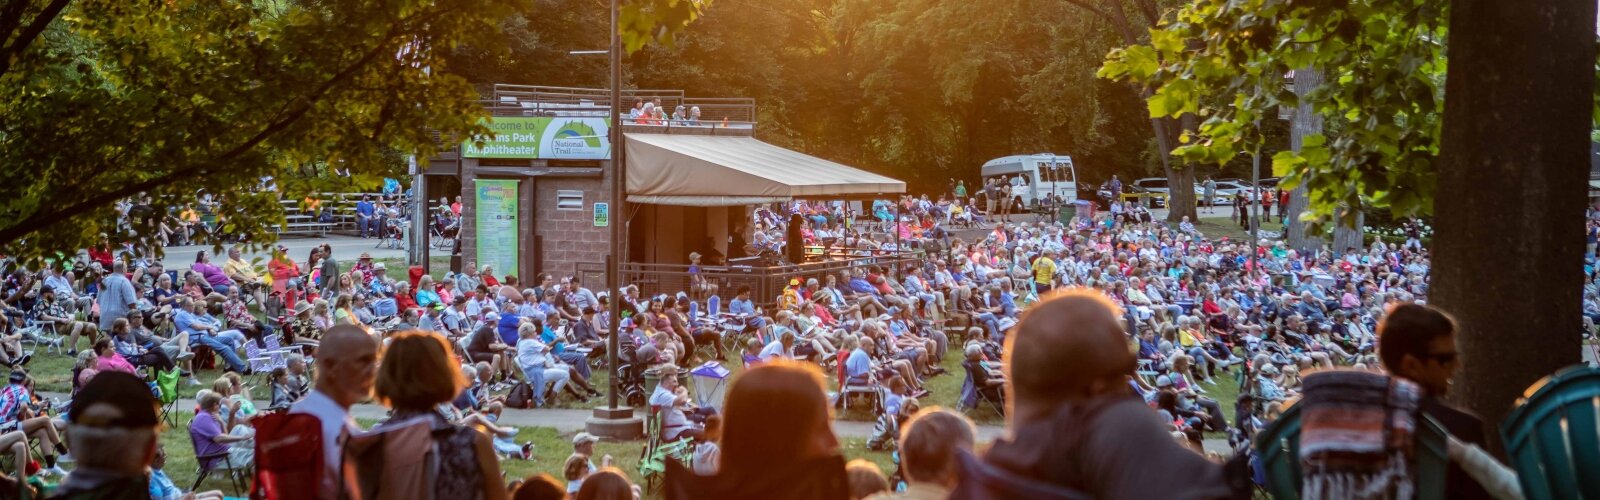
(978, 397)
(167, 384)
(1147, 371)
(275, 343)
(653, 458)
(872, 392)
(235, 473)
(1552, 438)
(288, 456)
(1279, 447)
(263, 360)
(41, 333)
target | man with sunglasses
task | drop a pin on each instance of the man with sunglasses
(1418, 343)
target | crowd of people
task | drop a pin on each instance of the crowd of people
(1120, 370)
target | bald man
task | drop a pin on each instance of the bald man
(346, 366)
(1073, 423)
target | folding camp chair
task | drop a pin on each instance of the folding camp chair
(980, 396)
(263, 360)
(167, 385)
(1279, 446)
(42, 333)
(1553, 436)
(653, 458)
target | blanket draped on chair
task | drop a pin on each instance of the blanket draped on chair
(1357, 435)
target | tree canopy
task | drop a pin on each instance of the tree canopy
(923, 90)
(107, 101)
(1381, 99)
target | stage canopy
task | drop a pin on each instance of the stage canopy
(716, 171)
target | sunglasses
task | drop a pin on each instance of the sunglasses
(1443, 357)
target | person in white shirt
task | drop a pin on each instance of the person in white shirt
(781, 348)
(536, 366)
(347, 363)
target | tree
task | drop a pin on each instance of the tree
(1513, 156)
(1166, 129)
(1514, 127)
(860, 82)
(1384, 63)
(107, 101)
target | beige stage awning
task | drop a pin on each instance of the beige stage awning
(711, 171)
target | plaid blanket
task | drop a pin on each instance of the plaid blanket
(1356, 436)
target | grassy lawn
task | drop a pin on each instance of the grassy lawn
(1220, 226)
(437, 266)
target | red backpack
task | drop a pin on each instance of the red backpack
(288, 456)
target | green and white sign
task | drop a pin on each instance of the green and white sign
(497, 225)
(528, 137)
(602, 214)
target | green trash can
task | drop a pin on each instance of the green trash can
(1066, 213)
(652, 378)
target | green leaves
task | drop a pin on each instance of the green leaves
(646, 21)
(1227, 61)
(1138, 62)
(157, 102)
(1174, 99)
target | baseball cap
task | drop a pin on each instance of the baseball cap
(1164, 381)
(584, 437)
(129, 395)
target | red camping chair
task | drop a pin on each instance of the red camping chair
(288, 456)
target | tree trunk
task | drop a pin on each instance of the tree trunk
(1349, 236)
(1305, 122)
(1166, 138)
(1511, 191)
(1180, 178)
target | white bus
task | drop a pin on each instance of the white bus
(1041, 175)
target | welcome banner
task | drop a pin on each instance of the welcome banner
(529, 137)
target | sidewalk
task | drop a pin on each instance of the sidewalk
(573, 421)
(345, 250)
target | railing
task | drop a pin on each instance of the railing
(534, 100)
(766, 283)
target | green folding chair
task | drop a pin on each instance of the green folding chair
(167, 384)
(1552, 436)
(1279, 449)
(653, 458)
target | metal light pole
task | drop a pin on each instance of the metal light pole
(1255, 220)
(615, 420)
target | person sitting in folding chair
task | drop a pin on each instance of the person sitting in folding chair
(679, 417)
(49, 309)
(212, 442)
(990, 385)
(17, 413)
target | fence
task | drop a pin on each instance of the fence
(766, 283)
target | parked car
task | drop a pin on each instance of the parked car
(1159, 185)
(1226, 190)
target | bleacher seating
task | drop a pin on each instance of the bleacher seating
(301, 219)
